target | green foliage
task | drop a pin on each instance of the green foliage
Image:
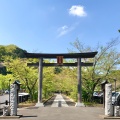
(11, 51)
(115, 74)
(3, 70)
(104, 63)
(27, 76)
(62, 79)
(2, 52)
(48, 83)
(57, 70)
(4, 81)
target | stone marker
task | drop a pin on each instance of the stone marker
(108, 100)
(13, 99)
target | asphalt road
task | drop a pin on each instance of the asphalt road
(3, 98)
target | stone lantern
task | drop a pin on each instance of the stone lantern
(17, 82)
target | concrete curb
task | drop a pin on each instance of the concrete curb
(10, 117)
(109, 117)
(106, 117)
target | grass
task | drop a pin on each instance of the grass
(31, 103)
(93, 104)
(26, 105)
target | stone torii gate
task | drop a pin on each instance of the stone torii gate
(60, 57)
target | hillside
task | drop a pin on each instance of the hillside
(12, 51)
(9, 51)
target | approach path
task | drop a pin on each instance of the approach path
(61, 108)
(59, 101)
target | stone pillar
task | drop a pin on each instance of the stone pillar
(108, 100)
(79, 103)
(40, 104)
(13, 99)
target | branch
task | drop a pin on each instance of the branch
(110, 45)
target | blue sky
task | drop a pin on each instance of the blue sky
(49, 26)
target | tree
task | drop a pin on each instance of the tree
(57, 70)
(104, 62)
(4, 81)
(115, 74)
(2, 53)
(48, 82)
(11, 51)
(28, 76)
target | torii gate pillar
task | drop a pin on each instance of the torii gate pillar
(39, 103)
(79, 102)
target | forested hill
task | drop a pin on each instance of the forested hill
(11, 51)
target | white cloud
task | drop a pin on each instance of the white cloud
(77, 10)
(65, 29)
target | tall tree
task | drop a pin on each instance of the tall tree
(28, 76)
(104, 62)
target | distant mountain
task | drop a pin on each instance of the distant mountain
(11, 50)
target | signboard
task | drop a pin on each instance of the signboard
(60, 60)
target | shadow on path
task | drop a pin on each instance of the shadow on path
(50, 101)
(68, 101)
(29, 116)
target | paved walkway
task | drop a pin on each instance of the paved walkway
(59, 102)
(62, 112)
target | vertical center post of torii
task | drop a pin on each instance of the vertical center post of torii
(40, 82)
(79, 86)
(79, 80)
